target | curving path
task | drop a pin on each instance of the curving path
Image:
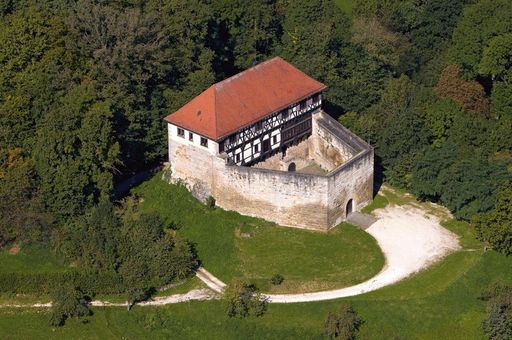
(410, 240)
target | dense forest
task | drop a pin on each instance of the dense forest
(84, 87)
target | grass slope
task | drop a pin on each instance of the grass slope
(234, 246)
(439, 303)
(33, 258)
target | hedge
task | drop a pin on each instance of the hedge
(90, 283)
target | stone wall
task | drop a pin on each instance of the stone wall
(327, 149)
(287, 198)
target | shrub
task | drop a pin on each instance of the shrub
(210, 202)
(343, 324)
(68, 301)
(277, 279)
(45, 283)
(242, 299)
(497, 324)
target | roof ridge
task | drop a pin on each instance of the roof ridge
(239, 74)
(246, 97)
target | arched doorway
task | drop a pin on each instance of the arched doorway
(292, 167)
(349, 207)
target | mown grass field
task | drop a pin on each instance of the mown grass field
(234, 246)
(32, 258)
(439, 303)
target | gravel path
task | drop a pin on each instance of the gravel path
(410, 239)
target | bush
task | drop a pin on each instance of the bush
(243, 299)
(68, 301)
(90, 283)
(497, 324)
(277, 279)
(210, 202)
(343, 324)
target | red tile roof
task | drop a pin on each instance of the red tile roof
(244, 99)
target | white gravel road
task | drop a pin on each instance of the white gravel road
(410, 240)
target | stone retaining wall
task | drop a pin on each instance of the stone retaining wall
(287, 198)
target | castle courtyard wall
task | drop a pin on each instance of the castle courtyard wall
(287, 198)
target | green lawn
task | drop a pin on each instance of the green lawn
(234, 246)
(33, 258)
(378, 202)
(441, 302)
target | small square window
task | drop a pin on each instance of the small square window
(204, 142)
(256, 148)
(190, 136)
(181, 132)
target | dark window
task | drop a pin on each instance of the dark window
(302, 105)
(256, 148)
(316, 98)
(259, 125)
(190, 136)
(237, 157)
(274, 140)
(204, 142)
(284, 113)
(233, 139)
(181, 132)
(266, 145)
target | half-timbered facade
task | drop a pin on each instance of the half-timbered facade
(251, 115)
(272, 134)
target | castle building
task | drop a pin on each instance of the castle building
(260, 144)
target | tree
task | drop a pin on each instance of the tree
(386, 46)
(343, 324)
(427, 168)
(150, 256)
(251, 29)
(322, 49)
(501, 98)
(497, 324)
(242, 299)
(497, 57)
(91, 241)
(67, 301)
(495, 226)
(75, 152)
(468, 94)
(474, 31)
(439, 118)
(22, 215)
